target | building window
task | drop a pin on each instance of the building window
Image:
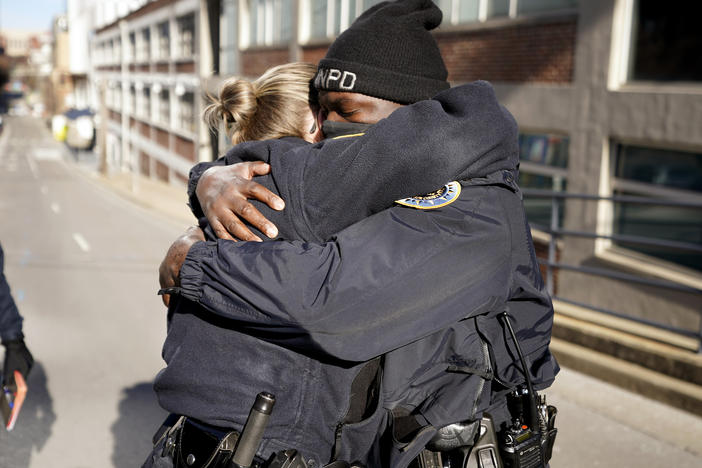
(164, 43)
(329, 17)
(543, 165)
(269, 22)
(132, 100)
(144, 50)
(118, 97)
(145, 105)
(186, 36)
(164, 107)
(131, 52)
(186, 112)
(658, 173)
(666, 42)
(471, 11)
(229, 46)
(117, 57)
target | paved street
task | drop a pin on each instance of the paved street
(82, 263)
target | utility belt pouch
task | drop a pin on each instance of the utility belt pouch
(201, 446)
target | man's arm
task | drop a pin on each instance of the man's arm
(371, 289)
(463, 132)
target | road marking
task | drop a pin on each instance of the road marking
(56, 208)
(33, 166)
(82, 243)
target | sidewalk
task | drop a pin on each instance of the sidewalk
(599, 424)
(159, 198)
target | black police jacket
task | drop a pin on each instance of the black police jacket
(10, 318)
(419, 287)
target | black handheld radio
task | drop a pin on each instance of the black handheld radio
(528, 443)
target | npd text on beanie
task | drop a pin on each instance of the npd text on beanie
(388, 53)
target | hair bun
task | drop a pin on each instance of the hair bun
(235, 106)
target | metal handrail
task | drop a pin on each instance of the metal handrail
(556, 233)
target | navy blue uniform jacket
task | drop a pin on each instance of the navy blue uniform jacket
(10, 318)
(420, 288)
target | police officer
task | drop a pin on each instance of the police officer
(420, 288)
(17, 356)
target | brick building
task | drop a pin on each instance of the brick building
(607, 95)
(148, 68)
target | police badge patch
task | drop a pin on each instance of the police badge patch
(442, 197)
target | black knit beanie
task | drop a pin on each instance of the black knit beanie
(389, 53)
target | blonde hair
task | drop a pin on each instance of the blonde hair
(272, 106)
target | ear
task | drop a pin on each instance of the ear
(313, 132)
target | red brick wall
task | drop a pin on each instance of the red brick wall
(185, 148)
(542, 52)
(185, 67)
(313, 54)
(256, 61)
(145, 130)
(162, 137)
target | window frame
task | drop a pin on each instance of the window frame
(606, 249)
(269, 24)
(186, 48)
(621, 57)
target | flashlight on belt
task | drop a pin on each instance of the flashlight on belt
(252, 433)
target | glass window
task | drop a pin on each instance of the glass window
(497, 8)
(667, 168)
(164, 51)
(319, 18)
(544, 162)
(186, 36)
(538, 6)
(666, 42)
(132, 100)
(144, 53)
(468, 10)
(659, 173)
(145, 108)
(131, 53)
(270, 22)
(538, 210)
(550, 150)
(186, 117)
(164, 107)
(228, 39)
(330, 17)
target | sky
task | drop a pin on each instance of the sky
(29, 14)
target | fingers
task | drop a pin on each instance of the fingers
(261, 193)
(257, 168)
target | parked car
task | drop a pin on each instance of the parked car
(80, 129)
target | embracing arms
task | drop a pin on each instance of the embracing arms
(463, 132)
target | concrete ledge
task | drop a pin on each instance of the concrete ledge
(675, 392)
(630, 327)
(656, 356)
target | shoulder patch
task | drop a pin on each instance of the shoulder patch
(444, 196)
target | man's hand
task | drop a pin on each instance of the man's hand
(169, 271)
(17, 358)
(223, 192)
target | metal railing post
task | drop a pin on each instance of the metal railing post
(552, 245)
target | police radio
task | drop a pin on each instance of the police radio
(528, 442)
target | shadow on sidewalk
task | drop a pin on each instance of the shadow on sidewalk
(139, 418)
(33, 426)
